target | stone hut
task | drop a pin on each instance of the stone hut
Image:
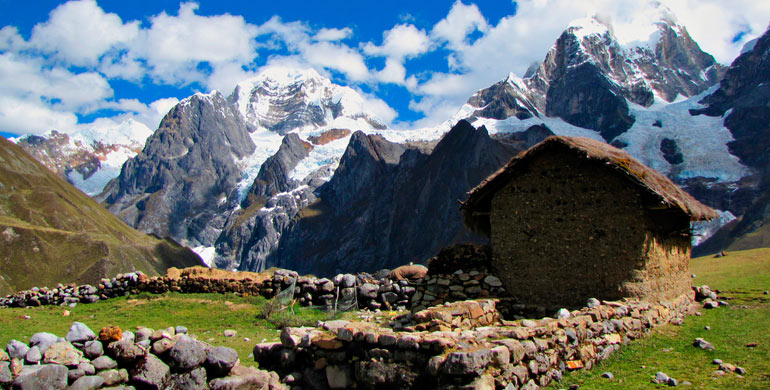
(573, 218)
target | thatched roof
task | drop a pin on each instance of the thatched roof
(648, 179)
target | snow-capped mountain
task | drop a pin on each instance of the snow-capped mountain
(284, 100)
(87, 158)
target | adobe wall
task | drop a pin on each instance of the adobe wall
(459, 345)
(568, 229)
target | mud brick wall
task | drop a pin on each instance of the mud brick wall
(462, 344)
(567, 229)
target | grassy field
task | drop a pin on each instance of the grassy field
(205, 315)
(741, 278)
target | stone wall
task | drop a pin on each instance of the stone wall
(461, 345)
(145, 359)
(457, 273)
(361, 291)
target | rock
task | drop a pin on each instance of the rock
(493, 281)
(193, 380)
(338, 377)
(33, 356)
(113, 377)
(93, 349)
(563, 314)
(717, 361)
(62, 353)
(703, 344)
(80, 333)
(608, 375)
(592, 303)
(125, 352)
(660, 377)
(220, 361)
(368, 290)
(161, 346)
(6, 376)
(245, 378)
(740, 370)
(150, 373)
(104, 363)
(75, 374)
(16, 349)
(672, 382)
(87, 368)
(186, 354)
(128, 336)
(464, 363)
(43, 340)
(179, 329)
(752, 345)
(47, 376)
(229, 333)
(142, 334)
(529, 323)
(4, 356)
(91, 382)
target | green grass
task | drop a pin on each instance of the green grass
(741, 278)
(205, 315)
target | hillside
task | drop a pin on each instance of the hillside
(53, 233)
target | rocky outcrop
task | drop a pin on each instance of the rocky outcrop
(387, 205)
(182, 182)
(273, 176)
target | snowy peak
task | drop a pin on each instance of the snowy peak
(285, 99)
(90, 157)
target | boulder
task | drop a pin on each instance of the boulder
(150, 373)
(220, 361)
(16, 349)
(193, 380)
(80, 333)
(187, 354)
(47, 376)
(43, 340)
(93, 349)
(90, 382)
(63, 353)
(104, 363)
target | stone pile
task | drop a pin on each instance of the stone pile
(362, 291)
(458, 273)
(145, 359)
(707, 297)
(463, 345)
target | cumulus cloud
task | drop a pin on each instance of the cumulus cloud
(333, 34)
(458, 24)
(80, 32)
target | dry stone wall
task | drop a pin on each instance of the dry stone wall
(461, 345)
(362, 291)
(145, 359)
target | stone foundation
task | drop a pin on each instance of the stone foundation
(461, 345)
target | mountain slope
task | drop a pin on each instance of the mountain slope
(51, 233)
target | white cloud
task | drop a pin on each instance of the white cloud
(80, 32)
(379, 107)
(148, 114)
(461, 21)
(10, 40)
(402, 41)
(333, 34)
(24, 116)
(175, 45)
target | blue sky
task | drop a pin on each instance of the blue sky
(76, 64)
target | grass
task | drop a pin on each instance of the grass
(205, 315)
(741, 278)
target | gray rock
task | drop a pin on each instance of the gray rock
(6, 376)
(43, 340)
(740, 370)
(220, 361)
(339, 377)
(128, 336)
(717, 361)
(348, 280)
(80, 333)
(150, 373)
(529, 323)
(33, 356)
(63, 353)
(91, 382)
(125, 352)
(493, 281)
(193, 380)
(368, 290)
(142, 334)
(563, 313)
(703, 344)
(187, 354)
(93, 349)
(16, 349)
(179, 329)
(47, 376)
(672, 382)
(465, 363)
(592, 302)
(608, 375)
(161, 346)
(75, 374)
(229, 333)
(87, 368)
(113, 377)
(660, 377)
(104, 363)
